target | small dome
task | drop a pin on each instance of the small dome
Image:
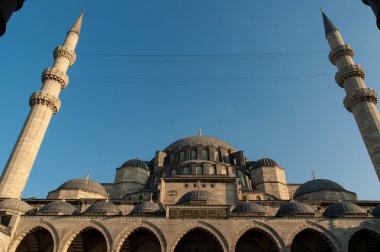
(59, 207)
(135, 163)
(102, 208)
(249, 207)
(295, 208)
(148, 207)
(85, 185)
(194, 141)
(318, 185)
(198, 197)
(264, 162)
(344, 209)
(14, 205)
(376, 211)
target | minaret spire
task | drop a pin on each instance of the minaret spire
(360, 100)
(329, 26)
(78, 24)
(43, 105)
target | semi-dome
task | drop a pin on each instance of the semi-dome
(194, 141)
(135, 163)
(344, 209)
(148, 207)
(295, 208)
(14, 205)
(317, 185)
(85, 185)
(102, 208)
(249, 207)
(59, 207)
(198, 197)
(264, 162)
(376, 211)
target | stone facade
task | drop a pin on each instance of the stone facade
(197, 194)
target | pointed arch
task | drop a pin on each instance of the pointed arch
(261, 227)
(33, 227)
(313, 227)
(201, 225)
(364, 239)
(120, 238)
(69, 237)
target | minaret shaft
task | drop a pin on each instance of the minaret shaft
(359, 100)
(44, 104)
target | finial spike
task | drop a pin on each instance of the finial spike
(88, 175)
(199, 132)
(313, 175)
(329, 26)
(78, 24)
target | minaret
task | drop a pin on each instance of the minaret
(43, 105)
(360, 100)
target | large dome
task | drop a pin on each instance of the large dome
(137, 163)
(198, 197)
(318, 185)
(85, 185)
(193, 141)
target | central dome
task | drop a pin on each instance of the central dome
(193, 141)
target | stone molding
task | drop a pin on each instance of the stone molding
(66, 52)
(52, 73)
(340, 51)
(44, 98)
(348, 72)
(359, 96)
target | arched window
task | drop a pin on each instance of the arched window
(185, 171)
(164, 174)
(211, 170)
(224, 170)
(216, 156)
(172, 158)
(258, 198)
(193, 155)
(205, 155)
(198, 170)
(182, 156)
(173, 173)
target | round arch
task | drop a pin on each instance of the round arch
(19, 236)
(261, 227)
(120, 238)
(201, 225)
(364, 239)
(331, 239)
(71, 234)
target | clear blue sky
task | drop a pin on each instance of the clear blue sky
(254, 73)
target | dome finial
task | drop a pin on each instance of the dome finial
(199, 131)
(313, 175)
(88, 175)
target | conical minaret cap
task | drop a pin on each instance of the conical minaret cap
(77, 25)
(329, 26)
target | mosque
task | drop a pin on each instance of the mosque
(197, 194)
